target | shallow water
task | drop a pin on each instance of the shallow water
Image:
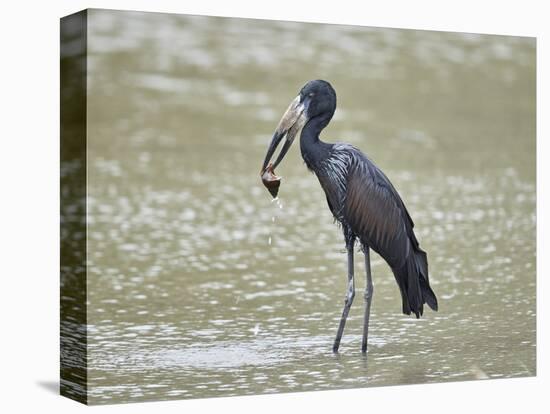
(199, 286)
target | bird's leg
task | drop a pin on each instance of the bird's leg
(369, 291)
(350, 294)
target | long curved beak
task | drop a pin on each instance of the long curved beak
(290, 124)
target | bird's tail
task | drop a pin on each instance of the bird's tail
(414, 284)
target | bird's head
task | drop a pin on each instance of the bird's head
(316, 99)
(319, 98)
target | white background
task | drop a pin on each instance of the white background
(29, 188)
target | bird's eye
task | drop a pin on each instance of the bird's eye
(311, 94)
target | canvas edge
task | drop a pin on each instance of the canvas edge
(73, 202)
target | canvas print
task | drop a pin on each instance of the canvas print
(253, 206)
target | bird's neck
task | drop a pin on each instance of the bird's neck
(314, 151)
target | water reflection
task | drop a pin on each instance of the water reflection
(199, 286)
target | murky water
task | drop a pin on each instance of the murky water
(199, 286)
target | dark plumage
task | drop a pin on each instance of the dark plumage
(361, 198)
(369, 208)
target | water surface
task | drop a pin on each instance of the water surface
(199, 286)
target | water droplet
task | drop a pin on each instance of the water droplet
(278, 202)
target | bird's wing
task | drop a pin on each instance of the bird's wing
(375, 212)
